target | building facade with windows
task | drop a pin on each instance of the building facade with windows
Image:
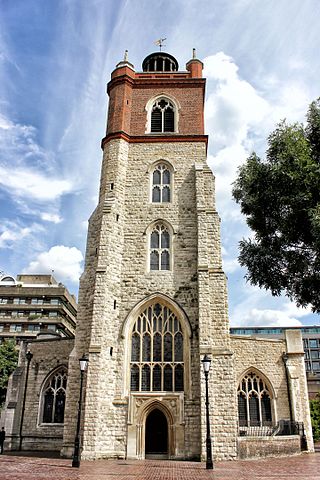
(153, 300)
(35, 304)
(311, 344)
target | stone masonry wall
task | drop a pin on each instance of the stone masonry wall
(97, 329)
(214, 338)
(264, 355)
(298, 383)
(119, 278)
(48, 355)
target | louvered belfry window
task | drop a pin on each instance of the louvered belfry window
(161, 184)
(254, 401)
(162, 116)
(157, 351)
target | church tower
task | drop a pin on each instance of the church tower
(153, 297)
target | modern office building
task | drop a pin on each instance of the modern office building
(311, 344)
(33, 305)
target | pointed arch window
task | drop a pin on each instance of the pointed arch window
(254, 401)
(162, 116)
(161, 184)
(54, 397)
(160, 245)
(157, 356)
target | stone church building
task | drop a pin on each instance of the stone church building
(153, 302)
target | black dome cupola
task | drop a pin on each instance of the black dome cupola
(160, 62)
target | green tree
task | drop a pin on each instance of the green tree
(315, 417)
(280, 197)
(8, 362)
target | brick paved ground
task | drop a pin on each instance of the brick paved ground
(301, 467)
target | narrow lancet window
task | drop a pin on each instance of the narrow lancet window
(161, 184)
(160, 248)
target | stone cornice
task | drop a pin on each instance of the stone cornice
(150, 138)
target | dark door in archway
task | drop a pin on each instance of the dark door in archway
(156, 441)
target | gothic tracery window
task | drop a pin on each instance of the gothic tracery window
(160, 248)
(254, 401)
(157, 351)
(161, 184)
(162, 116)
(54, 396)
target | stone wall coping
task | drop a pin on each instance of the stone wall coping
(254, 337)
(270, 438)
(45, 340)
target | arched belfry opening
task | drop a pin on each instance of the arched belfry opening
(156, 435)
(160, 62)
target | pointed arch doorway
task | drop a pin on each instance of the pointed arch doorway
(156, 435)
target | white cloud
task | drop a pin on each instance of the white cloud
(233, 106)
(259, 308)
(11, 234)
(51, 217)
(268, 317)
(26, 169)
(230, 265)
(27, 183)
(64, 261)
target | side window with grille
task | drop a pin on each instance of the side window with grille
(254, 401)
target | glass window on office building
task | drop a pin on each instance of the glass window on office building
(36, 301)
(316, 366)
(54, 301)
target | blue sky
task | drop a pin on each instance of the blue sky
(262, 64)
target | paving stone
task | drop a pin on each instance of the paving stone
(300, 467)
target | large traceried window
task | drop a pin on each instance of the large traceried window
(160, 244)
(54, 396)
(162, 116)
(161, 184)
(157, 351)
(254, 401)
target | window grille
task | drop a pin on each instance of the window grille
(254, 401)
(160, 248)
(157, 351)
(54, 395)
(162, 116)
(161, 184)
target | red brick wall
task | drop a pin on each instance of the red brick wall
(129, 97)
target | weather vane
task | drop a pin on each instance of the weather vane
(160, 43)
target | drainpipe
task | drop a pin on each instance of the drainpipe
(285, 358)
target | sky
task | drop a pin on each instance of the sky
(262, 64)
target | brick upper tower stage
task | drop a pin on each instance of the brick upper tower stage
(130, 91)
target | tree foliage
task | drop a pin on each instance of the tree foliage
(280, 197)
(315, 417)
(8, 362)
